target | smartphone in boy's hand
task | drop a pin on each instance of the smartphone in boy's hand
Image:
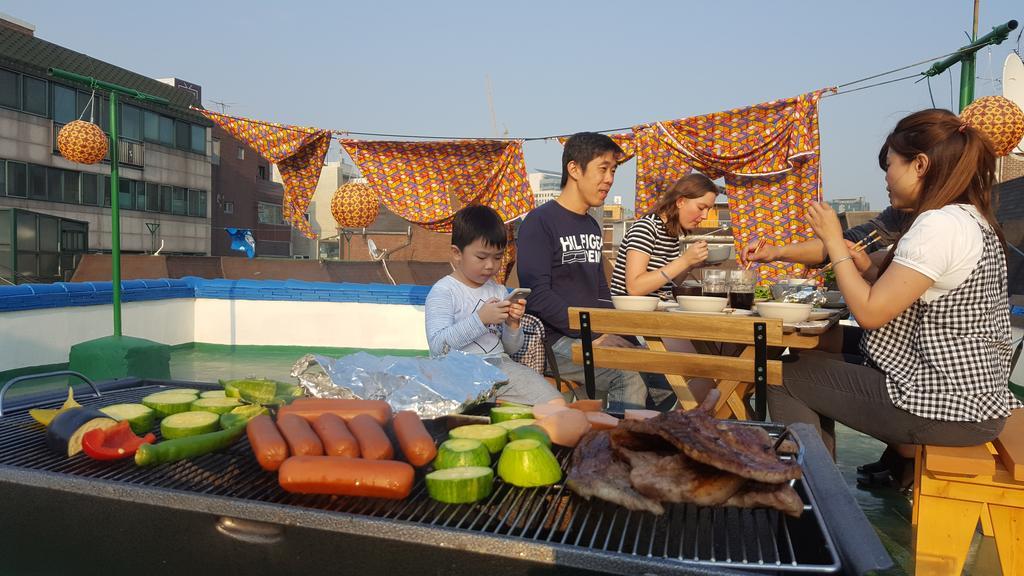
(518, 294)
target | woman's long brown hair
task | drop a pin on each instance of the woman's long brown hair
(961, 164)
(691, 186)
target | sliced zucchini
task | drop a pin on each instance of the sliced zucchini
(167, 403)
(141, 418)
(532, 433)
(493, 437)
(229, 389)
(528, 463)
(460, 485)
(185, 424)
(461, 452)
(255, 391)
(213, 394)
(216, 405)
(506, 413)
(513, 424)
(241, 415)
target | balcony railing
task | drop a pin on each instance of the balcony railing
(129, 152)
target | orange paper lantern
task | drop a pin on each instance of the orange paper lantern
(355, 205)
(998, 118)
(82, 142)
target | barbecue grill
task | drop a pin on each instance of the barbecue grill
(222, 513)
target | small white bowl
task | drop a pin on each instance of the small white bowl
(702, 303)
(636, 303)
(788, 312)
(718, 253)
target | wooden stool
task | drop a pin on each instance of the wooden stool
(956, 488)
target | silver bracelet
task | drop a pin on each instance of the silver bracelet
(841, 260)
(663, 275)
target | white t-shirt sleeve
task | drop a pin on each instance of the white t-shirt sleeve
(944, 245)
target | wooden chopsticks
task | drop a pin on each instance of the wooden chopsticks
(760, 244)
(858, 247)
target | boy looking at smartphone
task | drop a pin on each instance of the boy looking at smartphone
(468, 311)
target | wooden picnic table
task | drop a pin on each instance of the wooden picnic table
(655, 326)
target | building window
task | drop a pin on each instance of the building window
(179, 201)
(106, 191)
(241, 153)
(165, 199)
(270, 214)
(125, 193)
(166, 131)
(140, 195)
(215, 147)
(54, 182)
(229, 207)
(10, 89)
(183, 136)
(202, 203)
(34, 96)
(193, 202)
(89, 190)
(198, 139)
(3, 181)
(151, 126)
(152, 197)
(131, 123)
(64, 102)
(17, 180)
(37, 182)
(70, 193)
(262, 172)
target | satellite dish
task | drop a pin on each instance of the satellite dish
(374, 252)
(1013, 86)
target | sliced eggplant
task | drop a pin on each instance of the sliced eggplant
(64, 434)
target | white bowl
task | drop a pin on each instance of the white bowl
(718, 253)
(788, 312)
(702, 303)
(636, 303)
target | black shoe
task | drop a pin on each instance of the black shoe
(888, 460)
(900, 476)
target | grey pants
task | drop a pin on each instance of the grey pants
(525, 386)
(616, 385)
(821, 388)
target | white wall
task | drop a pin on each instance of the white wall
(45, 336)
(334, 324)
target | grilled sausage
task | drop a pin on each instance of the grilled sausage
(302, 441)
(334, 434)
(373, 442)
(346, 477)
(267, 443)
(310, 408)
(416, 443)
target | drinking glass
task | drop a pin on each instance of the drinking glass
(741, 288)
(716, 283)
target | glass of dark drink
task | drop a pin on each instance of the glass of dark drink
(741, 288)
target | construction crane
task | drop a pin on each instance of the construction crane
(490, 105)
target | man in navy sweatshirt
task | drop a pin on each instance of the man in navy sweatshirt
(559, 253)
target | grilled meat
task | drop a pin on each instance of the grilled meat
(782, 497)
(596, 473)
(743, 450)
(676, 478)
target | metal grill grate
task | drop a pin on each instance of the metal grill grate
(685, 536)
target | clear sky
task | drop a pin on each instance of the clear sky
(555, 66)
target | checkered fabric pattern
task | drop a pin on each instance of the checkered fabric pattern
(531, 353)
(950, 359)
(299, 153)
(427, 182)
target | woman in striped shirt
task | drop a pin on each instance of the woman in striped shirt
(648, 257)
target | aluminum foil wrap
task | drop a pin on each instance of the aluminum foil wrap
(431, 387)
(805, 295)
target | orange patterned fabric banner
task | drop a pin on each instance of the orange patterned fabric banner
(298, 152)
(427, 182)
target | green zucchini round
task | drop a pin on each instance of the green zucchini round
(140, 417)
(215, 405)
(461, 452)
(528, 463)
(530, 433)
(493, 437)
(189, 424)
(460, 485)
(505, 413)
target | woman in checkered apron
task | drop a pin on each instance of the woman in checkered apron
(935, 355)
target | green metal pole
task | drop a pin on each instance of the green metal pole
(965, 56)
(115, 188)
(115, 215)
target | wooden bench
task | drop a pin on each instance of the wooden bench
(734, 376)
(956, 488)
